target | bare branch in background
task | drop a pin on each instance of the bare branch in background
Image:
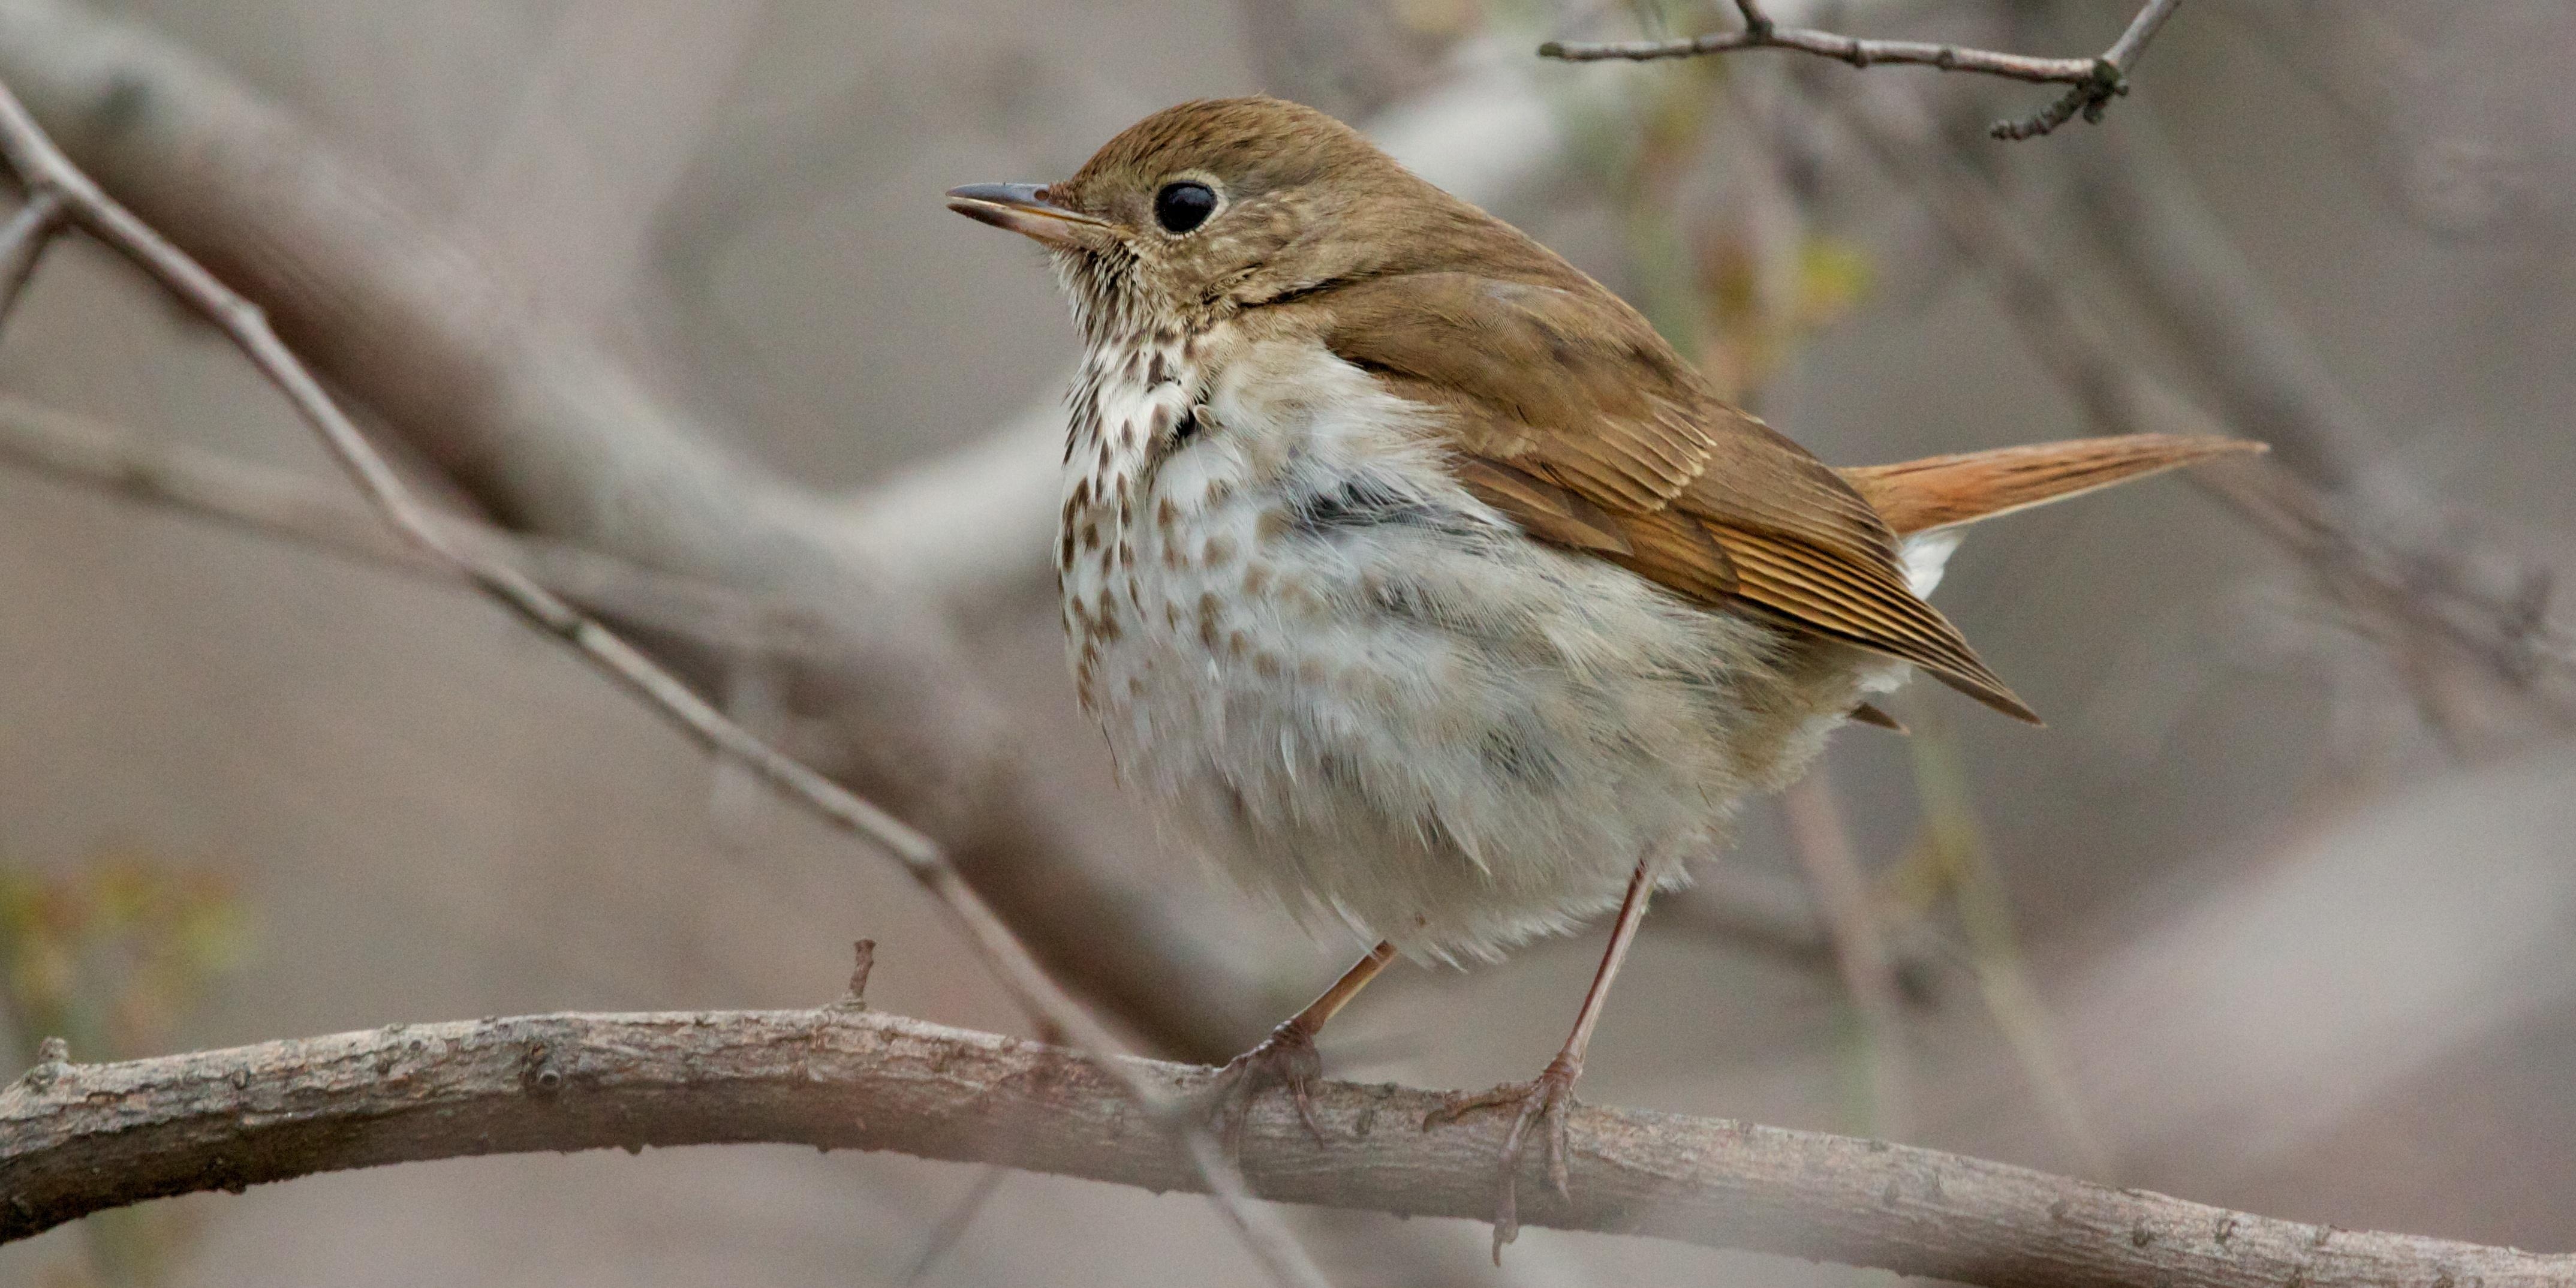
(23, 241)
(2486, 665)
(2094, 82)
(1824, 849)
(75, 1139)
(43, 169)
(556, 440)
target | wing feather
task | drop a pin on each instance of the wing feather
(1568, 413)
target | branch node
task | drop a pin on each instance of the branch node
(863, 960)
(53, 1060)
(539, 1073)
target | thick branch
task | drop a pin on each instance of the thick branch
(2093, 82)
(78, 1138)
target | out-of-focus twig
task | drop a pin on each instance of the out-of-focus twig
(952, 1227)
(22, 242)
(2466, 622)
(42, 168)
(1956, 848)
(1775, 917)
(287, 506)
(2478, 650)
(77, 1138)
(2093, 82)
(553, 438)
(1824, 849)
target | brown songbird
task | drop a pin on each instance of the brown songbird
(1417, 580)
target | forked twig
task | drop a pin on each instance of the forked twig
(2092, 82)
(53, 182)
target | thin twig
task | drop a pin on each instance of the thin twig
(1825, 854)
(23, 241)
(2110, 80)
(284, 505)
(1958, 848)
(2449, 632)
(2092, 82)
(952, 1227)
(31, 154)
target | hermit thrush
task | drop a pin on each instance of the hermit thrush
(1415, 578)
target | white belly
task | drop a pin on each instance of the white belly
(1364, 693)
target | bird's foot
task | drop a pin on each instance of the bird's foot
(1286, 1058)
(1541, 1103)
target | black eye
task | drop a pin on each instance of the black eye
(1182, 206)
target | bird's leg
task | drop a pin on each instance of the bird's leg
(1287, 1057)
(1543, 1101)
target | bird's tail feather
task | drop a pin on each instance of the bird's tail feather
(1943, 491)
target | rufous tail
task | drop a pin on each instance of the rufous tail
(1940, 491)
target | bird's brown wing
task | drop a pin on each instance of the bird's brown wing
(1572, 416)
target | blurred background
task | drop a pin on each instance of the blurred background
(2276, 914)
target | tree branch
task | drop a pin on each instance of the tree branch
(2092, 82)
(78, 1138)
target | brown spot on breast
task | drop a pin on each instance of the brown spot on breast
(1311, 671)
(1166, 515)
(1172, 617)
(1273, 525)
(1237, 644)
(1218, 551)
(1269, 666)
(1090, 535)
(1162, 419)
(1084, 673)
(1256, 579)
(1159, 372)
(1207, 620)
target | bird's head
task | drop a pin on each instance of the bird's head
(1225, 204)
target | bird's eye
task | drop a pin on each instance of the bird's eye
(1182, 206)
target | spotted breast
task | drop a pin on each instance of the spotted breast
(1358, 686)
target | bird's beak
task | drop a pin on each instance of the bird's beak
(1023, 209)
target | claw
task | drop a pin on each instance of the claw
(1286, 1058)
(1542, 1101)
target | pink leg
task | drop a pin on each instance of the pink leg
(1542, 1101)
